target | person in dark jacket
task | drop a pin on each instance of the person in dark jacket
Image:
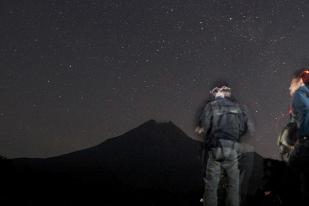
(222, 123)
(299, 158)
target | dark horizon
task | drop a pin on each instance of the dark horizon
(151, 124)
(162, 166)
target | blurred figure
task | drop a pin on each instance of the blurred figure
(222, 123)
(287, 139)
(299, 157)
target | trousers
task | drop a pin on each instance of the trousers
(222, 158)
(299, 161)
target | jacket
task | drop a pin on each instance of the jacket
(224, 119)
(300, 110)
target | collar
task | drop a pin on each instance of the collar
(304, 89)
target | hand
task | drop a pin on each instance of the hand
(199, 130)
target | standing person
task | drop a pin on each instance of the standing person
(299, 158)
(222, 123)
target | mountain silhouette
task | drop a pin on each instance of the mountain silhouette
(150, 162)
(139, 158)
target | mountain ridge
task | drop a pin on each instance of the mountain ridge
(154, 156)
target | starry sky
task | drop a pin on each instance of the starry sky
(74, 73)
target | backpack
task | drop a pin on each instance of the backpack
(229, 121)
(287, 140)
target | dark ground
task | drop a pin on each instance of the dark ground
(153, 164)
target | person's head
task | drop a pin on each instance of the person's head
(300, 78)
(222, 91)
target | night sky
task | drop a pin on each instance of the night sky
(74, 73)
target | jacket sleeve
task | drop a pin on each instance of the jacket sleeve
(299, 103)
(298, 108)
(206, 118)
(248, 125)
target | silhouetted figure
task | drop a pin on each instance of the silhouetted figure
(299, 158)
(222, 123)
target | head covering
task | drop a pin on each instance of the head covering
(222, 91)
